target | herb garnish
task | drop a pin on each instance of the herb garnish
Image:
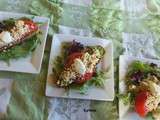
(98, 81)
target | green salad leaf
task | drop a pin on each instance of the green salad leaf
(139, 66)
(22, 50)
(150, 116)
(145, 68)
(98, 81)
(127, 98)
(82, 89)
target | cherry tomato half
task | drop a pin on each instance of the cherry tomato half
(84, 78)
(32, 26)
(72, 57)
(140, 103)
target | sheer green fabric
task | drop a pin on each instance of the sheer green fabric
(103, 18)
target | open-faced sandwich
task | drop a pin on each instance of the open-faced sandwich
(79, 64)
(14, 33)
(143, 88)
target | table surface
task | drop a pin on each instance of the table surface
(125, 22)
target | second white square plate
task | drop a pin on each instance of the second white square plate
(94, 93)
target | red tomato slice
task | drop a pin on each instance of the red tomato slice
(140, 102)
(84, 78)
(31, 24)
(88, 76)
(72, 57)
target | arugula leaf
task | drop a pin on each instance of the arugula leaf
(82, 89)
(126, 98)
(98, 81)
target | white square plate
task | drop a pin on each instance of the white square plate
(32, 63)
(106, 93)
(125, 113)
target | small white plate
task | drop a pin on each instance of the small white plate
(106, 93)
(125, 113)
(32, 63)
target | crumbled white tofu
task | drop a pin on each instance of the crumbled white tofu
(79, 66)
(152, 102)
(19, 23)
(151, 86)
(155, 89)
(66, 78)
(19, 30)
(90, 61)
(154, 99)
(6, 37)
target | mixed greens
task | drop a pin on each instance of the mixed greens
(22, 50)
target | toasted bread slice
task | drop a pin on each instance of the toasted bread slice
(80, 66)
